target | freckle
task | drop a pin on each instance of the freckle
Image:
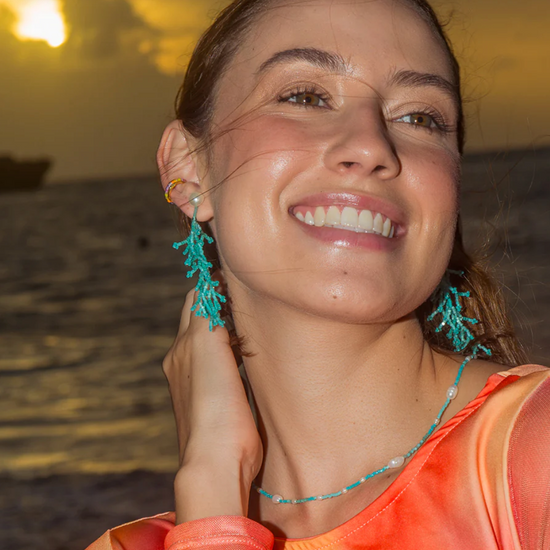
(345, 272)
(334, 297)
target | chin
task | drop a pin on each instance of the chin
(357, 308)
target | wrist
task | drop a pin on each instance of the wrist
(204, 489)
(227, 461)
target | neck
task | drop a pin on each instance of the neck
(335, 400)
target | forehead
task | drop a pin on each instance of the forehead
(376, 38)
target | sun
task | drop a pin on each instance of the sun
(41, 20)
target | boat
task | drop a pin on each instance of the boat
(24, 175)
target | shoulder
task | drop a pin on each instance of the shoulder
(508, 444)
(501, 391)
(531, 425)
(512, 391)
(143, 534)
(528, 464)
(528, 398)
(512, 407)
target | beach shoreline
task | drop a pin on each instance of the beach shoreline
(69, 512)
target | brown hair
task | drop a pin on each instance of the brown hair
(195, 108)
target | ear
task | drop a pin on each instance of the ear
(175, 159)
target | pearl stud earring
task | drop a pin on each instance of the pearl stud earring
(195, 199)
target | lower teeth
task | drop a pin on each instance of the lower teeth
(354, 229)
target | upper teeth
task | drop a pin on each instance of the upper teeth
(360, 221)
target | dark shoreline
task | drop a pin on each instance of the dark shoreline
(69, 512)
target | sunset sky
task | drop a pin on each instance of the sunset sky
(91, 83)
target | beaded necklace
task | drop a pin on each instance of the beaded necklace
(396, 462)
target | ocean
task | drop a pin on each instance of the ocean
(90, 298)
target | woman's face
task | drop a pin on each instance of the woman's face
(340, 113)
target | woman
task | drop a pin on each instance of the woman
(378, 354)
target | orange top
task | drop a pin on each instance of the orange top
(481, 482)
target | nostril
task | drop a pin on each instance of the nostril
(348, 164)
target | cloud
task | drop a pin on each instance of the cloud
(165, 31)
(179, 24)
(98, 27)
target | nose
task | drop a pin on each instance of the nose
(361, 144)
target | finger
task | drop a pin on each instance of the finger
(186, 312)
(189, 319)
(198, 323)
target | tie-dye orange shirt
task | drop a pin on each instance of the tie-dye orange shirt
(481, 482)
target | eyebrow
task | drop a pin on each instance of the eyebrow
(414, 79)
(322, 59)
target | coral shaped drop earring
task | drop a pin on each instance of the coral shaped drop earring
(447, 300)
(208, 301)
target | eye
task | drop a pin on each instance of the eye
(429, 121)
(305, 98)
(419, 119)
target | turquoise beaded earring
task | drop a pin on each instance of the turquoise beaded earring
(447, 300)
(208, 301)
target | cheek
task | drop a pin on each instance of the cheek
(433, 180)
(269, 143)
(254, 164)
(433, 191)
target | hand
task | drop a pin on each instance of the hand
(220, 449)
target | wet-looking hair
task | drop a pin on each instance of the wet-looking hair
(195, 104)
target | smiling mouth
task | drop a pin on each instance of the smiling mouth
(346, 218)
